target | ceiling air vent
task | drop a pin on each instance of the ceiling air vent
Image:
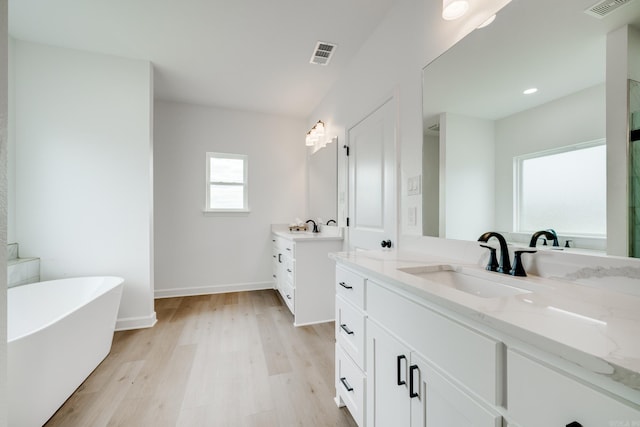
(604, 8)
(322, 53)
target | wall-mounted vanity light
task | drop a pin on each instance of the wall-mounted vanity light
(454, 9)
(317, 136)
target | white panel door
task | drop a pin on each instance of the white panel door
(372, 179)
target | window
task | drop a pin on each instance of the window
(227, 183)
(564, 189)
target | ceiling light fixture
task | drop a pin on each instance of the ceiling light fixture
(487, 22)
(530, 91)
(454, 9)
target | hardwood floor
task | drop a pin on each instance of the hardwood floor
(214, 360)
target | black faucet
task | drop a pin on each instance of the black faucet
(505, 263)
(333, 221)
(315, 226)
(548, 234)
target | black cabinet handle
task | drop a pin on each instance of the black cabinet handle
(280, 258)
(288, 296)
(399, 366)
(385, 243)
(289, 249)
(346, 329)
(412, 369)
(346, 385)
(574, 424)
(289, 270)
(344, 285)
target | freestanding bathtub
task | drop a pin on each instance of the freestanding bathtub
(58, 332)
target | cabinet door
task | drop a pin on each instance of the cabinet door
(387, 379)
(435, 401)
(541, 396)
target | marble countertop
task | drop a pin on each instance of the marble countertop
(327, 233)
(595, 328)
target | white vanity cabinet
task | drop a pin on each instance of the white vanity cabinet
(425, 364)
(303, 275)
(414, 363)
(408, 349)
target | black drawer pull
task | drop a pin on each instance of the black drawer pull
(280, 258)
(289, 249)
(289, 270)
(346, 385)
(344, 285)
(412, 369)
(346, 329)
(574, 424)
(399, 366)
(288, 296)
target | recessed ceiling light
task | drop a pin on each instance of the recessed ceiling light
(454, 9)
(530, 91)
(487, 22)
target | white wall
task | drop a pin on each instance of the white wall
(203, 253)
(83, 199)
(4, 65)
(467, 153)
(576, 118)
(390, 63)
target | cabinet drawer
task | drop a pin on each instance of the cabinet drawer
(289, 266)
(288, 295)
(350, 286)
(350, 385)
(350, 327)
(466, 355)
(541, 396)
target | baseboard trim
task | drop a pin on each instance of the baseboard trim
(213, 289)
(129, 323)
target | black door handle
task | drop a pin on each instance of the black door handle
(412, 369)
(399, 366)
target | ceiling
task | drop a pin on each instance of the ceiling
(549, 44)
(240, 54)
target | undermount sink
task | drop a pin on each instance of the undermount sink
(458, 278)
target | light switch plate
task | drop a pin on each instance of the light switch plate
(411, 217)
(414, 185)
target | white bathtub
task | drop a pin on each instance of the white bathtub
(58, 332)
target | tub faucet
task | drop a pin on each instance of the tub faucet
(549, 234)
(505, 263)
(315, 226)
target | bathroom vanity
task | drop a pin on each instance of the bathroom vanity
(303, 274)
(422, 340)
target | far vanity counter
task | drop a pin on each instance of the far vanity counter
(302, 272)
(570, 343)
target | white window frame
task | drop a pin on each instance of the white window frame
(245, 183)
(517, 179)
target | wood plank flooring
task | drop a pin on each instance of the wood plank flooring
(214, 360)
